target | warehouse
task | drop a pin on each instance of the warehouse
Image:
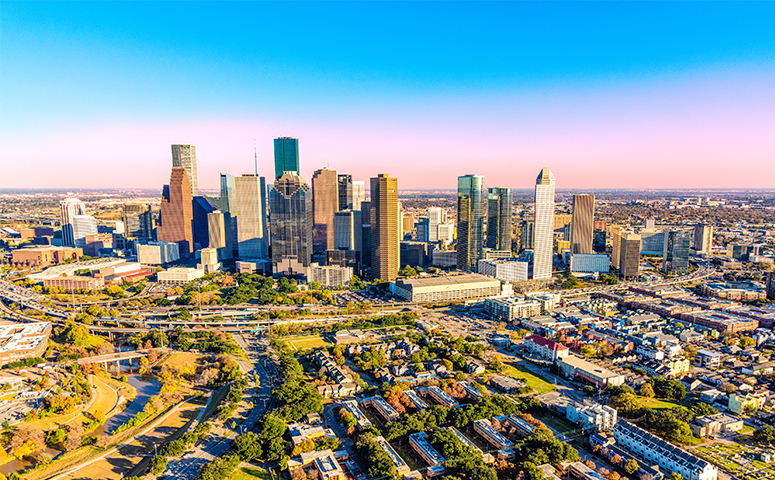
(446, 288)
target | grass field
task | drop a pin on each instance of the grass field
(250, 473)
(181, 359)
(531, 380)
(656, 403)
(305, 341)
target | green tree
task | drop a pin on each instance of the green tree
(248, 446)
(532, 472)
(586, 351)
(764, 436)
(746, 342)
(646, 390)
(158, 464)
(631, 467)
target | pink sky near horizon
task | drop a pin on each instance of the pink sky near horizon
(694, 132)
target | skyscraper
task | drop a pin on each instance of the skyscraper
(499, 218)
(470, 221)
(176, 222)
(325, 203)
(543, 234)
(202, 206)
(582, 224)
(83, 225)
(629, 254)
(219, 233)
(184, 156)
(385, 247)
(68, 208)
(249, 211)
(345, 192)
(359, 194)
(675, 256)
(291, 218)
(286, 156)
(348, 230)
(138, 221)
(527, 231)
(703, 239)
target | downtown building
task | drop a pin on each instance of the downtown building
(470, 221)
(286, 156)
(543, 233)
(385, 247)
(703, 239)
(291, 220)
(325, 204)
(69, 208)
(177, 215)
(499, 219)
(675, 256)
(248, 210)
(582, 224)
(184, 156)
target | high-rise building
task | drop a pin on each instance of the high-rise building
(227, 192)
(499, 218)
(770, 285)
(286, 156)
(184, 156)
(703, 239)
(527, 231)
(629, 254)
(345, 191)
(138, 221)
(582, 224)
(359, 194)
(407, 223)
(616, 240)
(83, 226)
(219, 233)
(470, 221)
(290, 202)
(543, 235)
(69, 207)
(249, 211)
(176, 222)
(325, 203)
(385, 248)
(202, 206)
(348, 230)
(366, 234)
(675, 256)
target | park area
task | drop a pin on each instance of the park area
(304, 342)
(737, 459)
(533, 381)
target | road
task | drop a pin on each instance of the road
(188, 467)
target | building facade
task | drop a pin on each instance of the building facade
(582, 224)
(675, 256)
(470, 221)
(248, 210)
(703, 239)
(325, 204)
(499, 218)
(543, 233)
(177, 213)
(286, 156)
(68, 208)
(507, 270)
(291, 219)
(184, 156)
(385, 248)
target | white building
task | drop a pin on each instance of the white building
(82, 226)
(545, 348)
(209, 260)
(589, 263)
(510, 308)
(249, 211)
(359, 194)
(330, 275)
(506, 270)
(591, 416)
(657, 451)
(69, 207)
(158, 253)
(180, 275)
(543, 233)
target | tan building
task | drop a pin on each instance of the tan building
(42, 256)
(73, 283)
(23, 340)
(325, 204)
(385, 247)
(712, 424)
(446, 288)
(177, 212)
(582, 223)
(629, 255)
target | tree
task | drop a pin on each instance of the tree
(587, 351)
(74, 436)
(613, 476)
(274, 427)
(646, 390)
(764, 436)
(746, 342)
(626, 401)
(248, 446)
(532, 472)
(631, 467)
(496, 363)
(158, 464)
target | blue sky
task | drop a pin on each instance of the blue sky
(388, 68)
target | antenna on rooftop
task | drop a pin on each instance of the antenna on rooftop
(255, 155)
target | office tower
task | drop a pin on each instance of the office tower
(703, 239)
(177, 212)
(562, 226)
(366, 234)
(325, 203)
(138, 221)
(384, 227)
(202, 206)
(226, 198)
(348, 230)
(446, 233)
(68, 208)
(629, 254)
(582, 224)
(428, 226)
(219, 233)
(291, 219)
(649, 224)
(470, 221)
(598, 240)
(675, 256)
(770, 285)
(499, 218)
(286, 156)
(616, 241)
(345, 192)
(527, 231)
(407, 223)
(543, 236)
(359, 194)
(83, 226)
(249, 212)
(184, 156)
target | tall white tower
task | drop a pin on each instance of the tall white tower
(543, 233)
(69, 208)
(184, 156)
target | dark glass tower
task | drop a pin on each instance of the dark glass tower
(286, 156)
(290, 203)
(675, 256)
(499, 218)
(470, 221)
(345, 192)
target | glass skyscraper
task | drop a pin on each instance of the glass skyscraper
(499, 218)
(290, 202)
(184, 156)
(470, 221)
(543, 232)
(286, 156)
(675, 256)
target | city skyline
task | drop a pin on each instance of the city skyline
(661, 91)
